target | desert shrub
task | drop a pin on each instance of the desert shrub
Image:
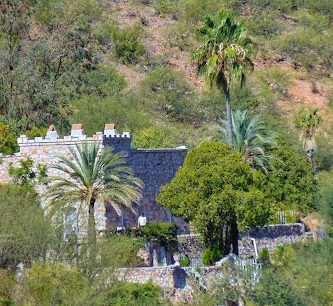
(308, 49)
(181, 35)
(211, 255)
(8, 141)
(185, 262)
(167, 93)
(36, 131)
(120, 293)
(121, 111)
(266, 24)
(127, 45)
(152, 137)
(102, 81)
(264, 256)
(120, 251)
(56, 285)
(323, 156)
(212, 102)
(24, 229)
(196, 10)
(164, 7)
(164, 232)
(7, 284)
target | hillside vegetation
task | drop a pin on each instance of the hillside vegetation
(129, 62)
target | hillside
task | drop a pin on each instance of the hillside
(129, 62)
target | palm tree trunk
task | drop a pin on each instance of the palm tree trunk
(91, 228)
(229, 117)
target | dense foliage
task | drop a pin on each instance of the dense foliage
(213, 189)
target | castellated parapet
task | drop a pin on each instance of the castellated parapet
(155, 167)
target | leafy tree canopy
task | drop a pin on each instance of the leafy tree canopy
(213, 187)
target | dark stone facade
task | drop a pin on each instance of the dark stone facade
(155, 167)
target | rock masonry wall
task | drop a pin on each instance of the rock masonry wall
(154, 167)
(270, 236)
(176, 282)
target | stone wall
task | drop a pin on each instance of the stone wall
(176, 283)
(270, 236)
(190, 245)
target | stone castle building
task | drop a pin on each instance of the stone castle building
(154, 167)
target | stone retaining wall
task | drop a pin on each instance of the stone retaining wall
(176, 282)
(270, 236)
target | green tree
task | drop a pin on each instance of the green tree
(223, 56)
(308, 121)
(292, 184)
(250, 138)
(90, 177)
(217, 191)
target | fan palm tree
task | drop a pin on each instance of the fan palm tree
(251, 138)
(223, 56)
(92, 176)
(308, 121)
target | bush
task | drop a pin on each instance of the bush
(153, 137)
(7, 284)
(164, 232)
(25, 232)
(102, 81)
(266, 24)
(120, 293)
(185, 262)
(56, 285)
(264, 256)
(118, 110)
(211, 255)
(127, 45)
(166, 92)
(8, 141)
(166, 6)
(120, 251)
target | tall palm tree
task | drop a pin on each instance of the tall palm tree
(308, 122)
(223, 56)
(93, 175)
(250, 138)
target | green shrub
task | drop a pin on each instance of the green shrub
(323, 156)
(152, 137)
(120, 251)
(8, 141)
(120, 293)
(7, 284)
(266, 24)
(127, 45)
(25, 231)
(166, 6)
(121, 111)
(181, 35)
(164, 232)
(211, 255)
(102, 81)
(56, 285)
(185, 262)
(264, 256)
(166, 92)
